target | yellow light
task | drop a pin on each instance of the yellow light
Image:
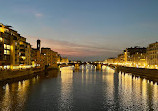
(5, 46)
(8, 46)
(1, 39)
(11, 47)
(21, 43)
(7, 52)
(2, 28)
(23, 57)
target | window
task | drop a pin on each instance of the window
(1, 39)
(2, 29)
(21, 43)
(6, 46)
(7, 52)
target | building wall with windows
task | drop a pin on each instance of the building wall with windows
(47, 53)
(139, 60)
(35, 57)
(152, 55)
(54, 59)
(14, 50)
(50, 57)
(28, 60)
(58, 58)
(131, 51)
(121, 58)
(109, 61)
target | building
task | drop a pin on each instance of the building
(38, 44)
(47, 53)
(14, 50)
(64, 60)
(131, 51)
(42, 57)
(121, 58)
(152, 55)
(110, 60)
(59, 59)
(54, 59)
(28, 54)
(133, 57)
(36, 57)
(139, 59)
(16, 53)
(50, 57)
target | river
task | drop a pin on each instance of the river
(86, 89)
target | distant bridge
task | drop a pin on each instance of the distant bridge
(78, 64)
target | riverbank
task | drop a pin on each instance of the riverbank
(18, 75)
(150, 74)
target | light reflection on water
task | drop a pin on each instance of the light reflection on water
(65, 101)
(81, 89)
(13, 96)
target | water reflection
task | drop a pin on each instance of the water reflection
(65, 101)
(128, 92)
(83, 89)
(135, 93)
(14, 96)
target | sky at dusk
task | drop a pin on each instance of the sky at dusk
(84, 29)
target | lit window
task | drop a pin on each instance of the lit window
(7, 52)
(5, 46)
(23, 57)
(8, 46)
(21, 43)
(1, 39)
(2, 29)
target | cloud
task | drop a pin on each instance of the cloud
(38, 15)
(67, 48)
(28, 11)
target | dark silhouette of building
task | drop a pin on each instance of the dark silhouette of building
(38, 44)
(136, 49)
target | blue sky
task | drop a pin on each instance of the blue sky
(91, 29)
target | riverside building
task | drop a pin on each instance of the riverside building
(42, 57)
(16, 53)
(152, 55)
(59, 59)
(129, 54)
(132, 57)
(14, 50)
(50, 57)
(139, 60)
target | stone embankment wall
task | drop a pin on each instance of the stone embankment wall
(151, 74)
(12, 76)
(9, 75)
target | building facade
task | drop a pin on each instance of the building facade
(121, 58)
(152, 55)
(139, 60)
(129, 52)
(50, 57)
(14, 50)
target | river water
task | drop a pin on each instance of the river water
(86, 89)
